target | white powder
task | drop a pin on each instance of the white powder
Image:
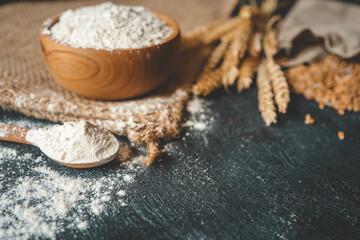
(198, 120)
(108, 26)
(43, 202)
(75, 142)
(3, 131)
(128, 178)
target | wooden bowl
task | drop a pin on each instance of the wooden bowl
(111, 75)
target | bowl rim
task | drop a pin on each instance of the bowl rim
(167, 19)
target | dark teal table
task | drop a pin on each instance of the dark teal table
(240, 180)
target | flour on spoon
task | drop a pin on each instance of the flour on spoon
(75, 142)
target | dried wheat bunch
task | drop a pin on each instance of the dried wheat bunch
(279, 84)
(240, 36)
(246, 72)
(265, 95)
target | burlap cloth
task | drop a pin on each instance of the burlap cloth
(26, 85)
(313, 29)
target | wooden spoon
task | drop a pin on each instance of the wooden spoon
(17, 134)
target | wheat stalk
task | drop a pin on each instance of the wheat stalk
(265, 96)
(154, 151)
(195, 37)
(221, 30)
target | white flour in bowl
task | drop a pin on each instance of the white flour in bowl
(75, 142)
(108, 26)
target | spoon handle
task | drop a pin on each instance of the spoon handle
(13, 133)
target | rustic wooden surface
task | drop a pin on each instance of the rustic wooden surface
(241, 180)
(111, 75)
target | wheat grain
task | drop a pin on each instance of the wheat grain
(265, 96)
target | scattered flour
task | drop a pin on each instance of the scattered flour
(3, 131)
(47, 201)
(128, 178)
(75, 142)
(43, 202)
(199, 120)
(108, 26)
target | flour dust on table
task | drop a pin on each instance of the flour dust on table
(199, 120)
(47, 200)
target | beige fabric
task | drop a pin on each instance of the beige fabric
(26, 85)
(317, 27)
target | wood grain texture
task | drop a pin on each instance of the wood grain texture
(13, 133)
(87, 165)
(111, 75)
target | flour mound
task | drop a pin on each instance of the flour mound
(108, 26)
(75, 142)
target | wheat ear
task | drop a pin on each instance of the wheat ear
(207, 82)
(195, 37)
(246, 72)
(265, 96)
(218, 53)
(236, 50)
(270, 42)
(210, 79)
(269, 6)
(278, 80)
(255, 47)
(279, 84)
(221, 30)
